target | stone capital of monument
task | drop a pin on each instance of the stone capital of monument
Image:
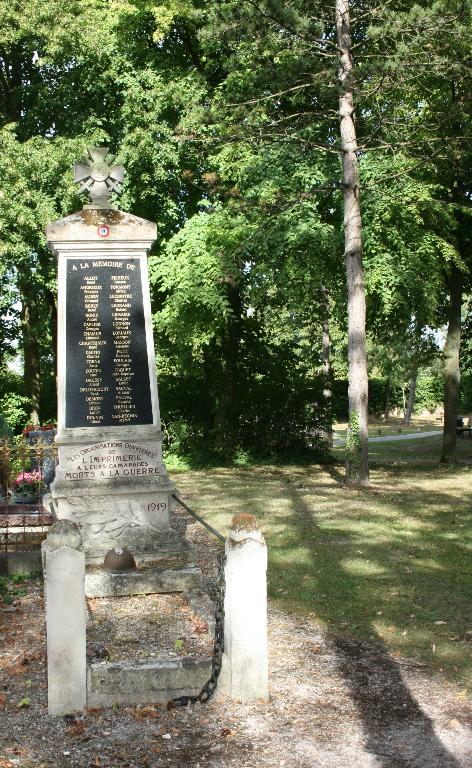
(98, 175)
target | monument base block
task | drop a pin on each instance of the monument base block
(142, 582)
(116, 488)
(151, 682)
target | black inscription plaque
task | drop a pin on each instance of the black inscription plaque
(107, 371)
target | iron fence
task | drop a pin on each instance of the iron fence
(27, 467)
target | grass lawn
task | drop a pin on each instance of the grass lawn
(392, 563)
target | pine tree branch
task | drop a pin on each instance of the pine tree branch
(321, 43)
(270, 95)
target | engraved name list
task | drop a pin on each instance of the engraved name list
(107, 370)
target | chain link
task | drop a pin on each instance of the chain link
(218, 645)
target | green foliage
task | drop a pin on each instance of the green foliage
(377, 397)
(277, 418)
(10, 380)
(407, 235)
(14, 410)
(239, 294)
(191, 275)
(225, 118)
(429, 393)
(9, 589)
(466, 342)
(5, 429)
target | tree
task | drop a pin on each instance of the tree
(266, 255)
(226, 117)
(259, 95)
(429, 44)
(452, 367)
(357, 467)
(43, 93)
(64, 87)
(36, 181)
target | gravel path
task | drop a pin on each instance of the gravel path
(340, 442)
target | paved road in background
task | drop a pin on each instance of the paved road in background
(339, 442)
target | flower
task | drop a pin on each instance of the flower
(38, 428)
(28, 482)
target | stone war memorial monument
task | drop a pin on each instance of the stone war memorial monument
(111, 495)
(110, 478)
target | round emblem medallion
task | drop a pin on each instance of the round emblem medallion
(103, 230)
(100, 171)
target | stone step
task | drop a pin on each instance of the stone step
(145, 544)
(18, 561)
(148, 581)
(146, 682)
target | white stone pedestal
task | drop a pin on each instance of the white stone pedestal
(64, 562)
(244, 673)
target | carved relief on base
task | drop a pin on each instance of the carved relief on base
(115, 517)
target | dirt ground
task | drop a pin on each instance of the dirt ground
(334, 703)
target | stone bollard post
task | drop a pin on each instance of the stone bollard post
(64, 562)
(244, 673)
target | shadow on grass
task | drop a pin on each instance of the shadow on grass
(382, 698)
(336, 473)
(386, 570)
(397, 731)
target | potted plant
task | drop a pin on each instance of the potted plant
(27, 487)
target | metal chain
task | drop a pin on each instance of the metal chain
(218, 645)
(200, 519)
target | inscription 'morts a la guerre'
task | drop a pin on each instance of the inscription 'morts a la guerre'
(107, 369)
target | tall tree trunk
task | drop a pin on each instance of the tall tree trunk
(357, 460)
(451, 368)
(327, 373)
(404, 398)
(411, 399)
(31, 354)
